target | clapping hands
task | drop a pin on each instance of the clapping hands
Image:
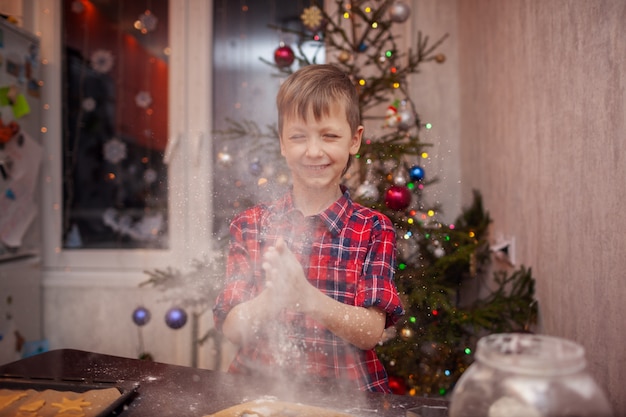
(285, 279)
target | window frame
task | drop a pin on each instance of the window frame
(189, 151)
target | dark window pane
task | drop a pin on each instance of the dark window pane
(115, 102)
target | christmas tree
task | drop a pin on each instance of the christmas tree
(429, 349)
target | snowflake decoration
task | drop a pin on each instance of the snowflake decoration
(102, 61)
(89, 104)
(114, 151)
(146, 229)
(143, 99)
(312, 17)
(146, 22)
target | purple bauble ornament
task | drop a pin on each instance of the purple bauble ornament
(397, 197)
(141, 316)
(416, 173)
(256, 168)
(284, 56)
(175, 318)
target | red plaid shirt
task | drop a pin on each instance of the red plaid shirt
(348, 253)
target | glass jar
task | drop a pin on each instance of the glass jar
(528, 375)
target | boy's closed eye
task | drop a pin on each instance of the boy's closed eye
(326, 136)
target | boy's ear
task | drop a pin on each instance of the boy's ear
(355, 145)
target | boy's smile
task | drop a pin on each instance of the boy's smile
(317, 151)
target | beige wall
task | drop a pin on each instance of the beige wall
(543, 137)
(435, 90)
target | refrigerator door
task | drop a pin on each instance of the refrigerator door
(21, 154)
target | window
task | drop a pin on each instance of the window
(180, 129)
(115, 124)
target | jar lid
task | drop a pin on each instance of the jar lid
(531, 353)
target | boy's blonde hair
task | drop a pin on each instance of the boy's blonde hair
(315, 87)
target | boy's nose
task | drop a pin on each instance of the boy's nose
(313, 147)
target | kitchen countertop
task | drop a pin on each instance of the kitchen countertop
(171, 390)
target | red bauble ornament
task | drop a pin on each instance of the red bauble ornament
(397, 197)
(397, 385)
(284, 56)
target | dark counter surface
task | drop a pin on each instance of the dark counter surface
(171, 390)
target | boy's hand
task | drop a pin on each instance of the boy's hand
(288, 287)
(285, 277)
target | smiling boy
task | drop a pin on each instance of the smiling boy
(310, 286)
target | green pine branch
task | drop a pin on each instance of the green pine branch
(436, 314)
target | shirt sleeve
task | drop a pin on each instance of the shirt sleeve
(239, 284)
(377, 288)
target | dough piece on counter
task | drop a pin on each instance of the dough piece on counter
(32, 406)
(53, 403)
(271, 408)
(10, 398)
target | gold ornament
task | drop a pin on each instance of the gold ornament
(344, 57)
(440, 58)
(406, 333)
(312, 17)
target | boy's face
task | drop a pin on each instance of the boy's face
(317, 151)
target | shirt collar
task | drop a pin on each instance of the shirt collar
(335, 217)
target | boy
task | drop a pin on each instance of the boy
(310, 287)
